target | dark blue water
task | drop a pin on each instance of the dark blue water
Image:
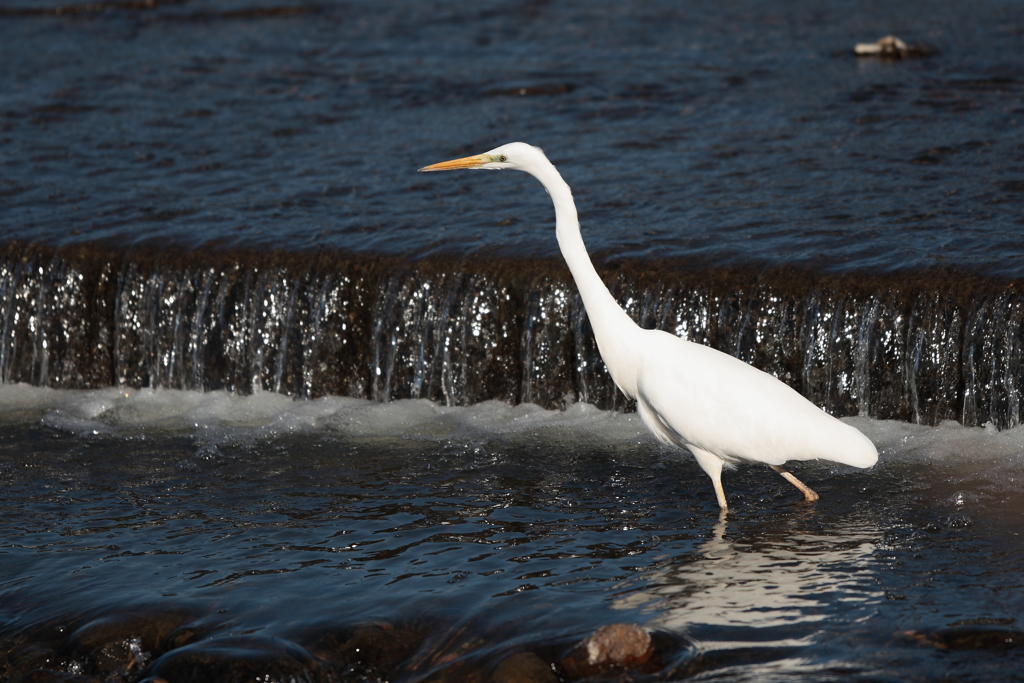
(729, 131)
(182, 535)
(233, 527)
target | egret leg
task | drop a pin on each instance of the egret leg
(720, 492)
(809, 493)
(712, 464)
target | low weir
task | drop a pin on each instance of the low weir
(921, 347)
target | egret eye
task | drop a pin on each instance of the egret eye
(503, 158)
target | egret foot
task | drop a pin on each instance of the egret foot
(809, 495)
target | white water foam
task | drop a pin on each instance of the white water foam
(126, 412)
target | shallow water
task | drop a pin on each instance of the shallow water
(490, 530)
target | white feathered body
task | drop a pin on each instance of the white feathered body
(693, 396)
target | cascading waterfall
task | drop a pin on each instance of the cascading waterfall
(921, 347)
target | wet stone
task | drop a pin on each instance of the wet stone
(523, 667)
(35, 656)
(122, 643)
(374, 649)
(615, 646)
(891, 47)
(236, 659)
(181, 637)
(149, 629)
(969, 638)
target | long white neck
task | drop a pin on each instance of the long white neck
(613, 328)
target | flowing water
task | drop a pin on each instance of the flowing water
(275, 407)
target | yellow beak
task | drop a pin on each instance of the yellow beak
(456, 164)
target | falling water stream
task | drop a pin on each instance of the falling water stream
(925, 347)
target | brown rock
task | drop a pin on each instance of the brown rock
(374, 650)
(616, 646)
(969, 638)
(523, 667)
(23, 661)
(122, 643)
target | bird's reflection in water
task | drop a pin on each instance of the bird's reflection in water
(785, 582)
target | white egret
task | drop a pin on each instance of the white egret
(714, 405)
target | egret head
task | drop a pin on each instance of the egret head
(515, 155)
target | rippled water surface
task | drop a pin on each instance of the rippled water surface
(491, 530)
(186, 536)
(731, 131)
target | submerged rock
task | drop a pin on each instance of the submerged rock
(616, 646)
(113, 647)
(123, 642)
(26, 660)
(374, 650)
(969, 638)
(523, 667)
(242, 658)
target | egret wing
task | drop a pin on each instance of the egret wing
(718, 403)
